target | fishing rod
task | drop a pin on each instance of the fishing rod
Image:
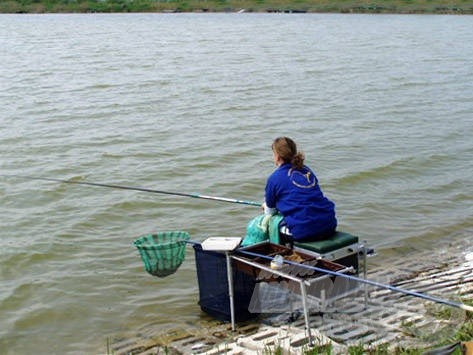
(143, 189)
(369, 282)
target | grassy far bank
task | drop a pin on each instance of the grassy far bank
(289, 6)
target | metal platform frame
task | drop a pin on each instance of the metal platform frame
(303, 284)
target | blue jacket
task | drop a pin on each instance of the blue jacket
(296, 194)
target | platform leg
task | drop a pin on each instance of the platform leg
(306, 311)
(230, 289)
(365, 266)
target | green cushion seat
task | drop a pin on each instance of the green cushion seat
(336, 241)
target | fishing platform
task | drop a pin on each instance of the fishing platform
(390, 318)
(239, 283)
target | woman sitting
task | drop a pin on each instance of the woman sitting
(293, 190)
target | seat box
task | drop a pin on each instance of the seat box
(341, 248)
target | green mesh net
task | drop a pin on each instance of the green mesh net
(162, 253)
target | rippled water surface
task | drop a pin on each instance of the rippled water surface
(382, 106)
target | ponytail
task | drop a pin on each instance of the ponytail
(297, 161)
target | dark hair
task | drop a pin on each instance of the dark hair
(286, 148)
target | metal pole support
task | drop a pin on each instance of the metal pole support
(230, 288)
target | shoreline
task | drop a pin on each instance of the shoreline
(450, 13)
(438, 7)
(390, 318)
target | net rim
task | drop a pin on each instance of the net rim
(174, 238)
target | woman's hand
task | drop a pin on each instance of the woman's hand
(267, 210)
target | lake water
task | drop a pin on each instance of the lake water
(382, 106)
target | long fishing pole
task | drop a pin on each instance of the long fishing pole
(143, 189)
(369, 282)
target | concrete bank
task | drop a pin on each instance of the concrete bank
(370, 316)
